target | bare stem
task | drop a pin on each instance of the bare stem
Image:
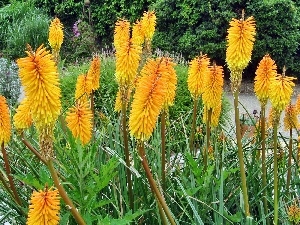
(126, 149)
(8, 172)
(63, 194)
(163, 149)
(263, 159)
(275, 174)
(289, 173)
(205, 155)
(153, 184)
(32, 149)
(192, 137)
(240, 153)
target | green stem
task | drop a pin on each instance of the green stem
(163, 149)
(37, 154)
(162, 214)
(240, 153)
(64, 195)
(205, 155)
(2, 179)
(8, 171)
(32, 149)
(192, 137)
(126, 149)
(153, 184)
(289, 173)
(275, 174)
(263, 159)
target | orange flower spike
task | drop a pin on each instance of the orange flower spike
(121, 33)
(94, 72)
(83, 86)
(265, 71)
(56, 34)
(22, 118)
(240, 42)
(198, 69)
(171, 82)
(148, 99)
(281, 89)
(148, 24)
(79, 121)
(5, 129)
(138, 36)
(213, 87)
(39, 77)
(290, 119)
(127, 62)
(44, 208)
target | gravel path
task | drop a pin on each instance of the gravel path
(249, 102)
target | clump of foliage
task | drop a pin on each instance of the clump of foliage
(22, 23)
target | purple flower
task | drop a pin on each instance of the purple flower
(75, 28)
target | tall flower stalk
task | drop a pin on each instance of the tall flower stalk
(280, 96)
(128, 54)
(290, 121)
(240, 41)
(39, 76)
(5, 133)
(266, 70)
(212, 95)
(56, 36)
(168, 101)
(198, 69)
(147, 104)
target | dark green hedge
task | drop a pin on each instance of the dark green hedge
(191, 26)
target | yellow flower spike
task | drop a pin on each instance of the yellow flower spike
(290, 119)
(198, 69)
(240, 41)
(121, 33)
(5, 129)
(83, 86)
(138, 36)
(56, 34)
(148, 22)
(148, 99)
(79, 121)
(215, 117)
(94, 72)
(39, 76)
(22, 118)
(213, 87)
(293, 212)
(127, 62)
(265, 71)
(280, 92)
(171, 82)
(44, 207)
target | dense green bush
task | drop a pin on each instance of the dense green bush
(20, 24)
(190, 26)
(277, 32)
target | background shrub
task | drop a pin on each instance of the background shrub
(21, 23)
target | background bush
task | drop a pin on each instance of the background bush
(22, 23)
(187, 27)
